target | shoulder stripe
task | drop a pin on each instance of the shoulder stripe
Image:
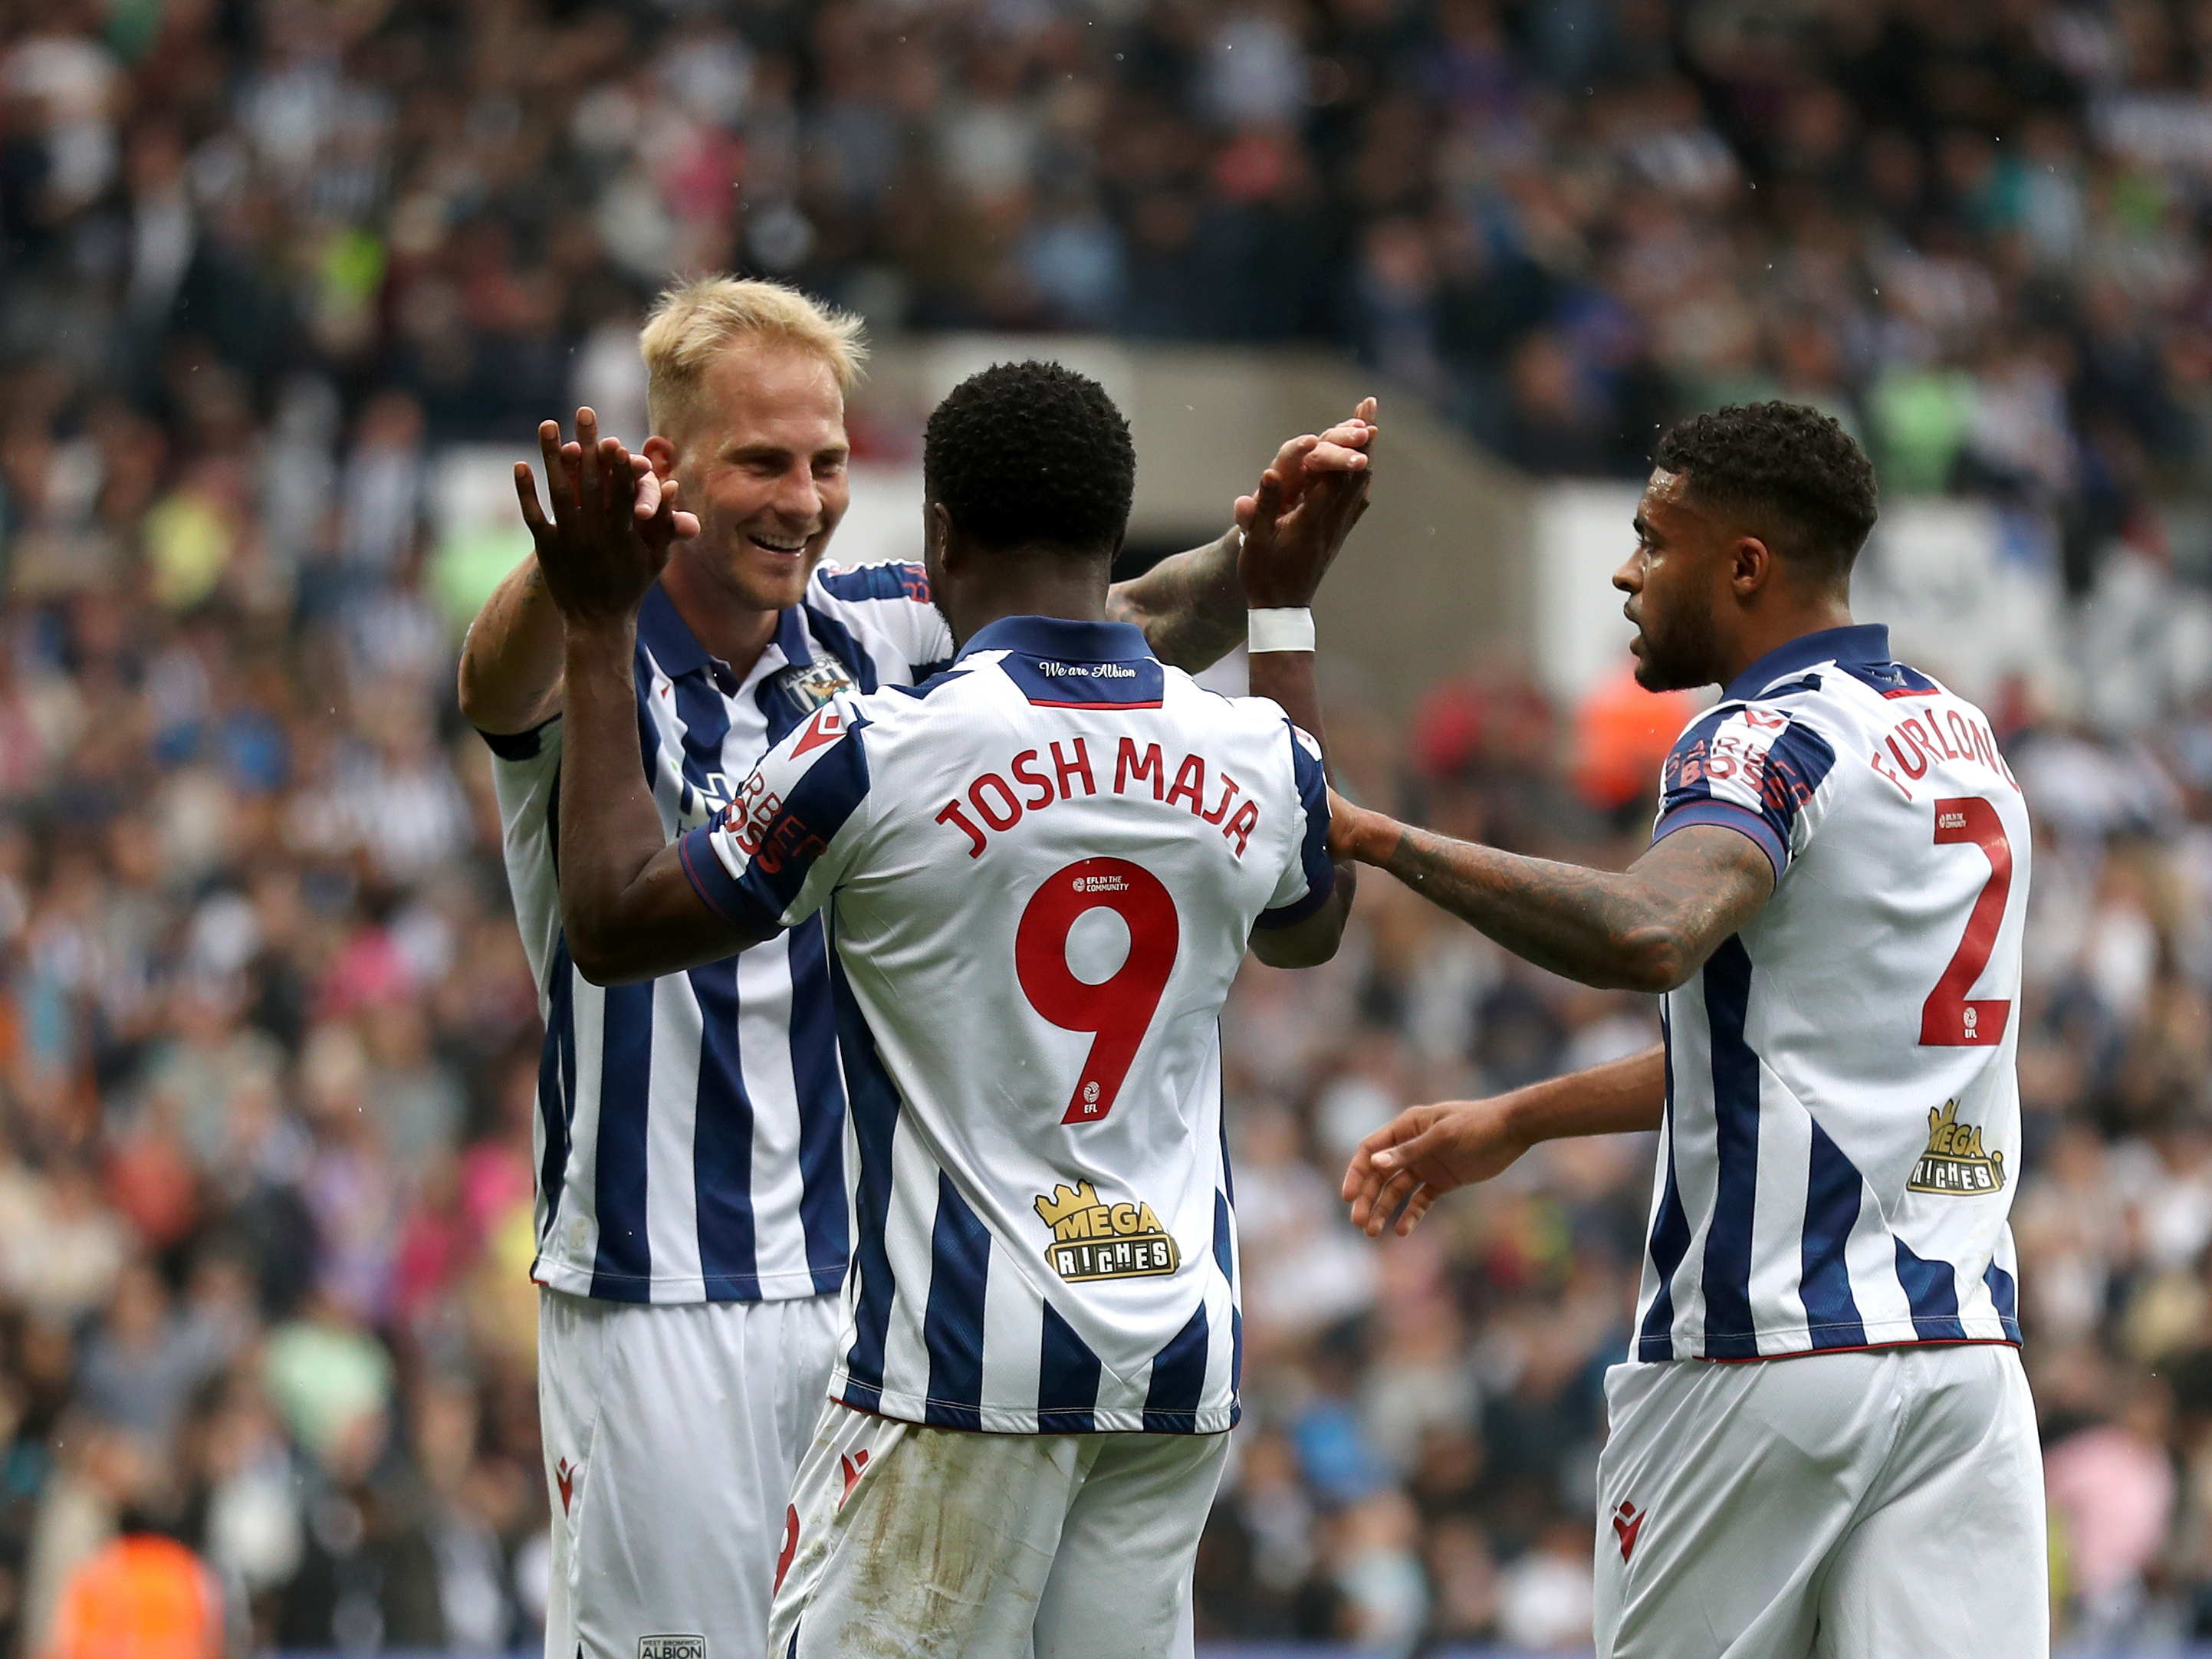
(877, 581)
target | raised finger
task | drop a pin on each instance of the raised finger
(559, 480)
(526, 489)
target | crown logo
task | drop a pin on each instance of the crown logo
(1954, 1164)
(1092, 1239)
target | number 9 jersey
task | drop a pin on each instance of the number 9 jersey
(1040, 870)
(1842, 1134)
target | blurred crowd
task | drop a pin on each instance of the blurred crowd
(267, 1040)
(1973, 231)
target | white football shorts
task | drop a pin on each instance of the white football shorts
(671, 1434)
(1874, 1504)
(949, 1544)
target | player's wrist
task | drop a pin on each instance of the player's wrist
(1278, 627)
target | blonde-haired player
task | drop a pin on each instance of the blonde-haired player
(692, 1226)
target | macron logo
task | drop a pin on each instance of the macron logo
(1627, 1522)
(825, 729)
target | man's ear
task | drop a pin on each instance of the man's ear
(1751, 566)
(937, 534)
(662, 454)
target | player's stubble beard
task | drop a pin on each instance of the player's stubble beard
(1681, 648)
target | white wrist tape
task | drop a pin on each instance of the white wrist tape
(1280, 630)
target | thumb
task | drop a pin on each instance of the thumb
(1411, 1152)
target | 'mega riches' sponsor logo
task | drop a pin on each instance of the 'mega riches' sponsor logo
(1093, 1239)
(1954, 1163)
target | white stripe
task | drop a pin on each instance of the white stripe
(764, 1058)
(907, 1231)
(1777, 1213)
(576, 1233)
(1013, 1329)
(671, 1199)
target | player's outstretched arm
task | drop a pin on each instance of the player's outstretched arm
(1646, 928)
(627, 908)
(1424, 1152)
(510, 673)
(1290, 523)
(1191, 605)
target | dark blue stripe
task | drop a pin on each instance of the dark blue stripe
(820, 1107)
(1067, 1379)
(2005, 1295)
(1224, 1258)
(1833, 1189)
(706, 721)
(722, 1143)
(952, 1325)
(1932, 1288)
(877, 581)
(844, 646)
(875, 1105)
(1178, 1380)
(812, 813)
(1670, 1234)
(623, 1269)
(1313, 849)
(649, 735)
(784, 714)
(1728, 1332)
(556, 1082)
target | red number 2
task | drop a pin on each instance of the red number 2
(1947, 1019)
(1117, 1010)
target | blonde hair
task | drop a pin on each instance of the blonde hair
(691, 323)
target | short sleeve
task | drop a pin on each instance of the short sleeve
(893, 601)
(1755, 770)
(1309, 877)
(772, 856)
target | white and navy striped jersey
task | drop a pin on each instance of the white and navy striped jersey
(690, 1131)
(1843, 1117)
(1042, 869)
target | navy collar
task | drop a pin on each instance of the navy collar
(1065, 641)
(662, 631)
(1861, 642)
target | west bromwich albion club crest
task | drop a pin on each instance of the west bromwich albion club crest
(1954, 1163)
(805, 687)
(1093, 1239)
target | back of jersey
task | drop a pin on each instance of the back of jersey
(1044, 868)
(1843, 1133)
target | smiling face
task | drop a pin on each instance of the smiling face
(762, 456)
(1675, 581)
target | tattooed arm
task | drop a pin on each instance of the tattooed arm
(1647, 928)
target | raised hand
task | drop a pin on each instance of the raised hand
(612, 526)
(1308, 498)
(1422, 1154)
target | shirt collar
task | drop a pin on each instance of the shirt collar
(1068, 642)
(1862, 643)
(662, 631)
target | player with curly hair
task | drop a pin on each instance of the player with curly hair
(1832, 910)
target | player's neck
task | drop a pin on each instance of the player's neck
(1046, 589)
(1758, 636)
(728, 627)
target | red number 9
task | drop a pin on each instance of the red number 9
(1118, 1010)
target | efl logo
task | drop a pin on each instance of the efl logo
(672, 1647)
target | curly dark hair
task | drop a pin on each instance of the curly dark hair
(1032, 453)
(1786, 468)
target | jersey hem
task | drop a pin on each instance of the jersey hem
(571, 1279)
(923, 1412)
(1793, 1344)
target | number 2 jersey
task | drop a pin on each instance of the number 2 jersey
(1040, 870)
(1842, 1135)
